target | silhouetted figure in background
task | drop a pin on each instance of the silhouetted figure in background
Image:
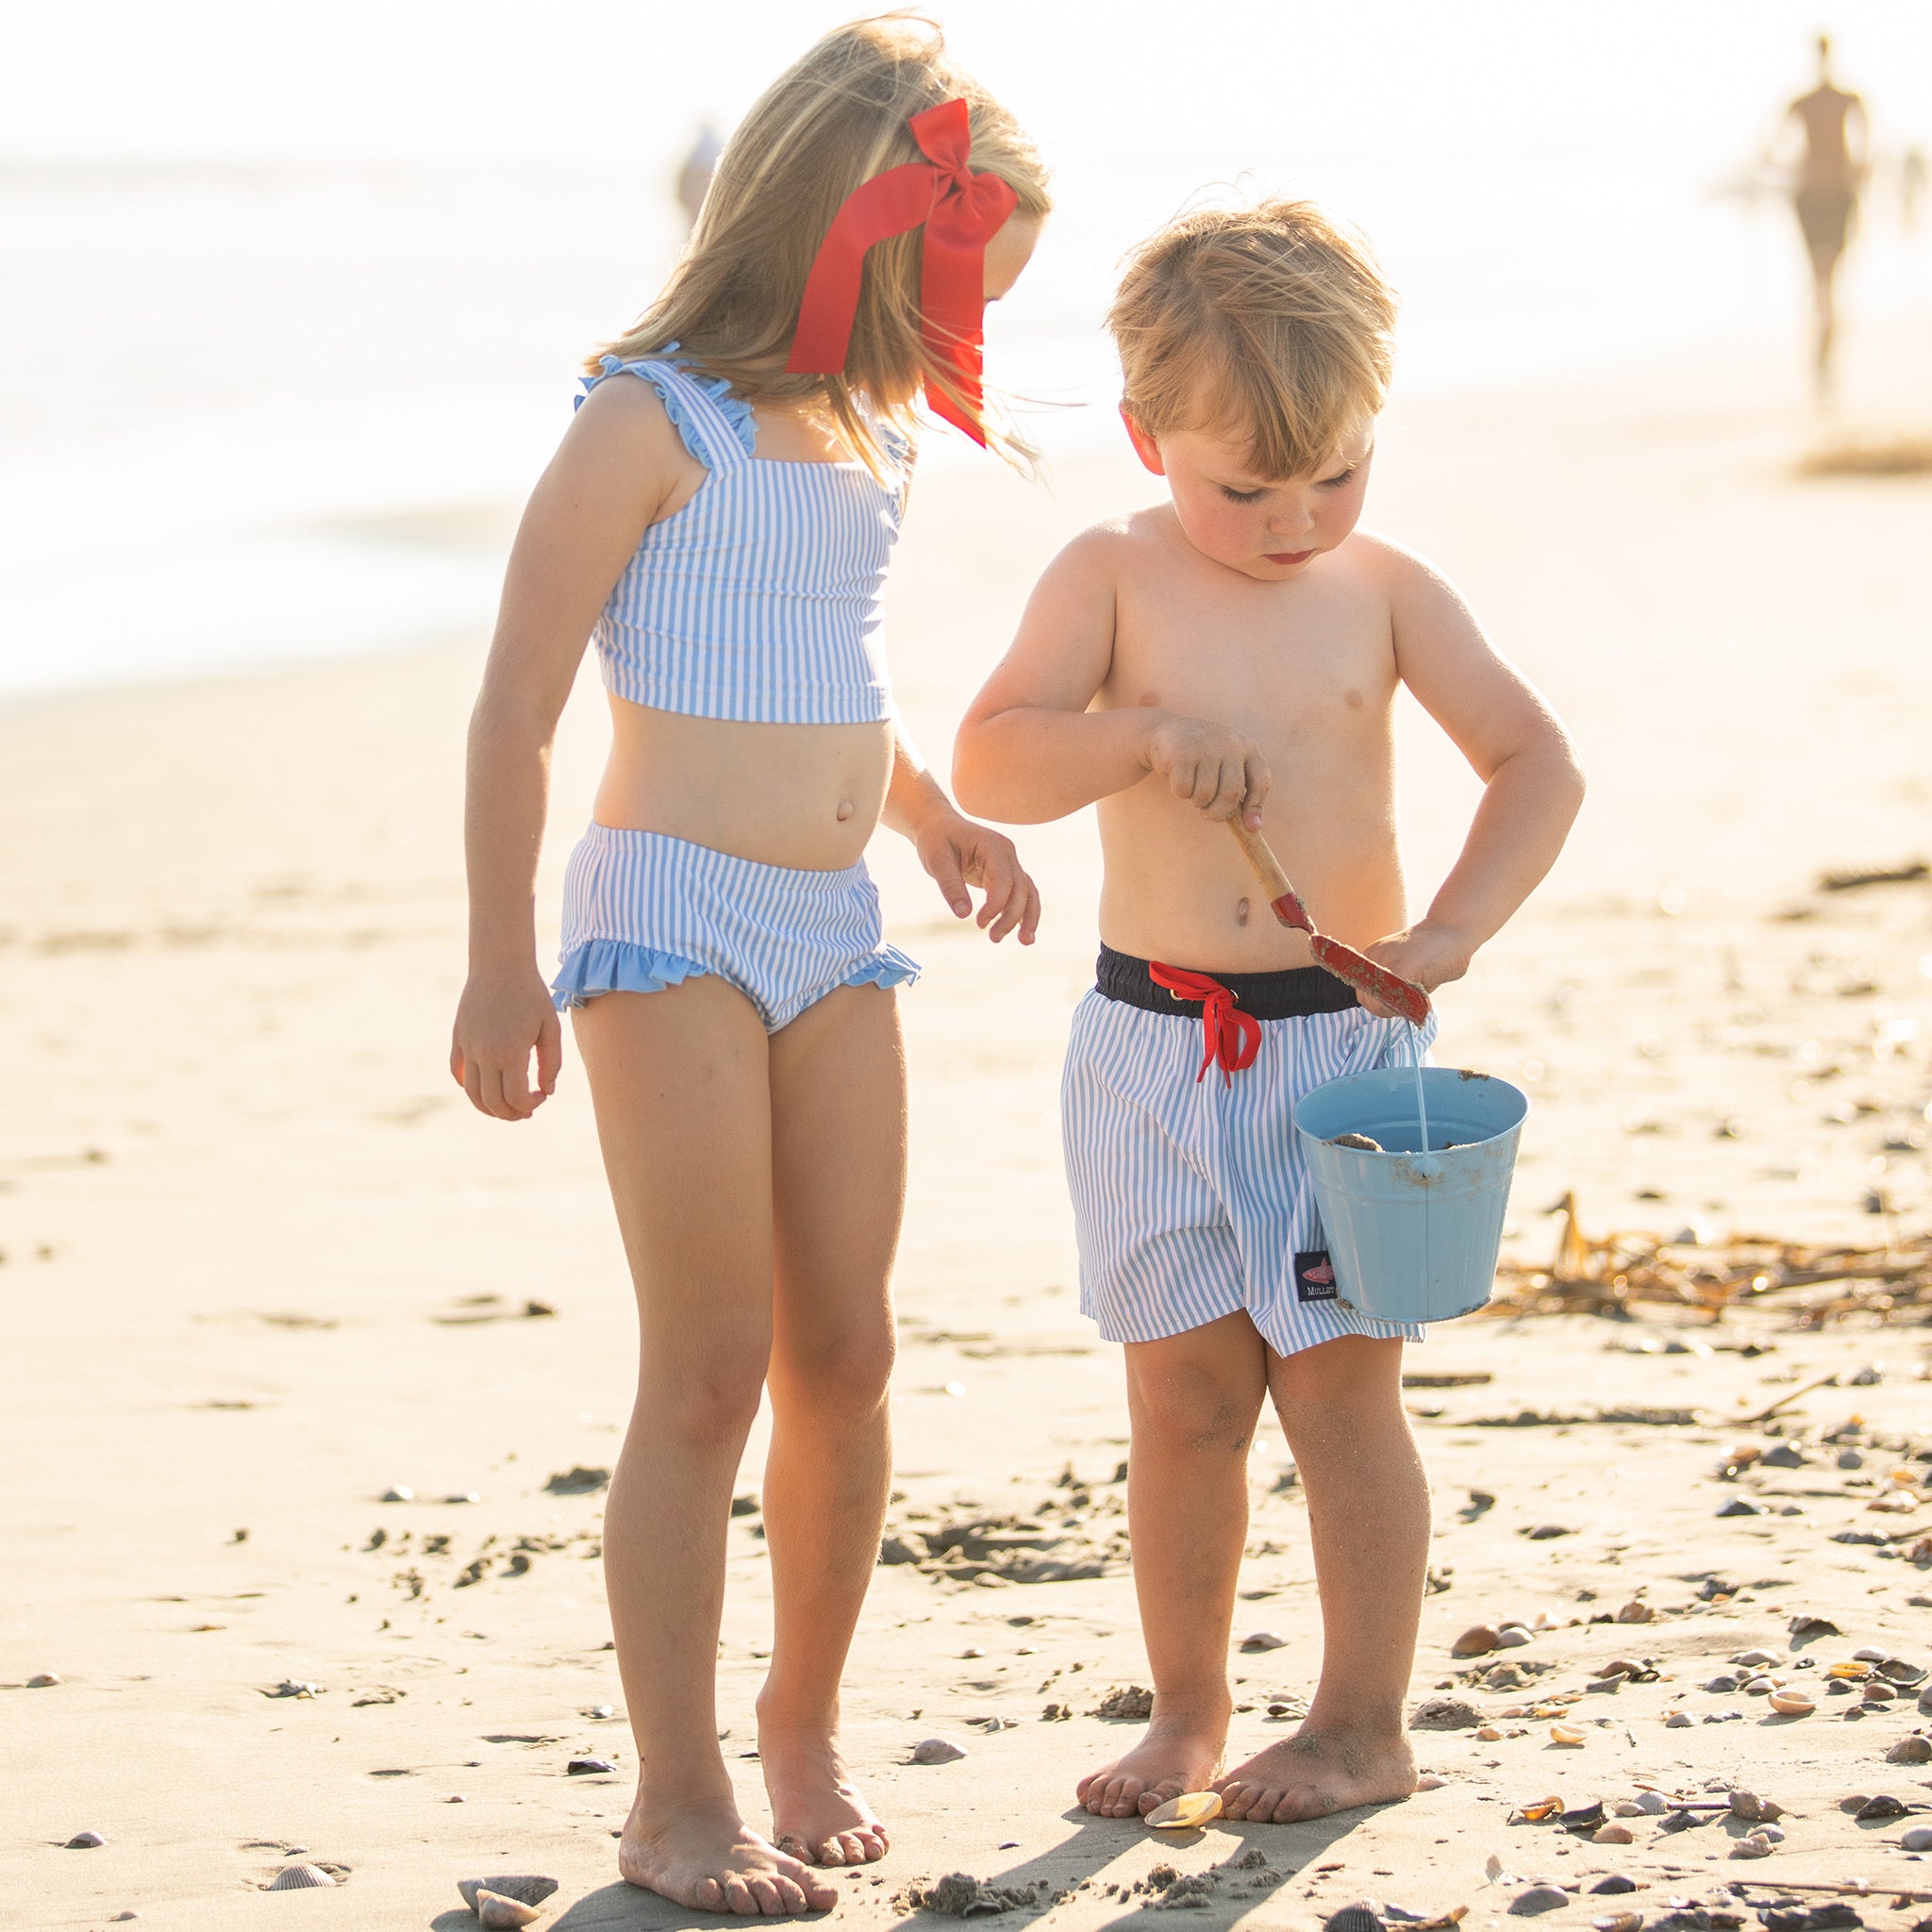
(1825, 194)
(694, 177)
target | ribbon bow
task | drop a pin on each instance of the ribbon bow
(963, 211)
(1234, 1038)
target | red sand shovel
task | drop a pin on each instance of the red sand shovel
(1355, 969)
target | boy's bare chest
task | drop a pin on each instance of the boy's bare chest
(1251, 657)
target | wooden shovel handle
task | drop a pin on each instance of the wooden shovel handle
(1283, 900)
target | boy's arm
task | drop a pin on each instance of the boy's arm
(1532, 783)
(1028, 749)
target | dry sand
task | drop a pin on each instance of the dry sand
(260, 1264)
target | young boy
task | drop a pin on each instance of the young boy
(1237, 650)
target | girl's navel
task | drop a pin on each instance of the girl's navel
(846, 810)
(1241, 912)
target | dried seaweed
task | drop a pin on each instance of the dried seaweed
(1815, 1284)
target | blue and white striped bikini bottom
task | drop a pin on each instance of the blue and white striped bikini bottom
(1192, 1199)
(642, 912)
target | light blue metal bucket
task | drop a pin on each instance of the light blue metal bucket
(1413, 1236)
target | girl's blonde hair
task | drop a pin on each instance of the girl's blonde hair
(1271, 324)
(832, 121)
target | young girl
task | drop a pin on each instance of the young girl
(721, 515)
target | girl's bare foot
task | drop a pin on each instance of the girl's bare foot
(1175, 1754)
(704, 1857)
(817, 1814)
(1315, 1773)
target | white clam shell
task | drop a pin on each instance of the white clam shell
(299, 1878)
(937, 1751)
(1185, 1812)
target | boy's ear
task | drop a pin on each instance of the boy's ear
(1144, 445)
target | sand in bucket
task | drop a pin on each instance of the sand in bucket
(1413, 1231)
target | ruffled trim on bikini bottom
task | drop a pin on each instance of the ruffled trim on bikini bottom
(601, 966)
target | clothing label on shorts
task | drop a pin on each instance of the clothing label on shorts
(1314, 1276)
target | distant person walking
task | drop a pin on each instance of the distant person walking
(1825, 192)
(694, 176)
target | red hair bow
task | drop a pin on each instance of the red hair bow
(963, 211)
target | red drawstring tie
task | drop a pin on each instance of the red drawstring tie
(1234, 1038)
(963, 211)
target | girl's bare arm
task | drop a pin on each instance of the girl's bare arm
(619, 465)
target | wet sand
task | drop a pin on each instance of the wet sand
(263, 1266)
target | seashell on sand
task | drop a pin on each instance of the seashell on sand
(298, 1878)
(1754, 1809)
(525, 1887)
(1855, 1673)
(1360, 1142)
(1539, 1898)
(45, 1681)
(935, 1751)
(499, 1913)
(399, 1492)
(1618, 1922)
(1868, 1654)
(1614, 1881)
(1760, 1687)
(1878, 1692)
(1512, 1637)
(1792, 1704)
(1263, 1640)
(1916, 1749)
(85, 1842)
(1653, 1804)
(1565, 1734)
(1613, 1835)
(1918, 1840)
(588, 1767)
(1676, 1719)
(1477, 1641)
(1185, 1812)
(1754, 1660)
(1755, 1846)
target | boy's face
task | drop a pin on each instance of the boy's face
(1271, 530)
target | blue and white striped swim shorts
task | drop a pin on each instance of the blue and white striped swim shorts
(642, 912)
(1191, 1200)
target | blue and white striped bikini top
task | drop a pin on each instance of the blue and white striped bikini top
(759, 600)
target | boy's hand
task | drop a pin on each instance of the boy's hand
(1426, 955)
(1207, 766)
(959, 853)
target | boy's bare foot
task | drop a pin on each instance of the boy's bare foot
(704, 1857)
(817, 1814)
(1315, 1773)
(1175, 1755)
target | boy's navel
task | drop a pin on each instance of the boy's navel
(1353, 700)
(846, 810)
(1241, 912)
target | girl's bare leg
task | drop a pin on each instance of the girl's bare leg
(680, 1081)
(839, 1178)
(1341, 1409)
(1191, 1404)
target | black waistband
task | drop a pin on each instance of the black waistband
(1292, 994)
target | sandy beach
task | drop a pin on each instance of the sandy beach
(262, 1267)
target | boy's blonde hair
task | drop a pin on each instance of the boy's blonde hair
(835, 119)
(1269, 323)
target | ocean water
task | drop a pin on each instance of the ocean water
(286, 340)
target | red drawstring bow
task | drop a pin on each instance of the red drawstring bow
(1234, 1038)
(963, 211)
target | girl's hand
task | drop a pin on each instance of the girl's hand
(1207, 766)
(1427, 956)
(959, 853)
(500, 1021)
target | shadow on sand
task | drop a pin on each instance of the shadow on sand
(1091, 1845)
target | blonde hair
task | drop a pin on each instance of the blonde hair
(1271, 323)
(831, 122)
